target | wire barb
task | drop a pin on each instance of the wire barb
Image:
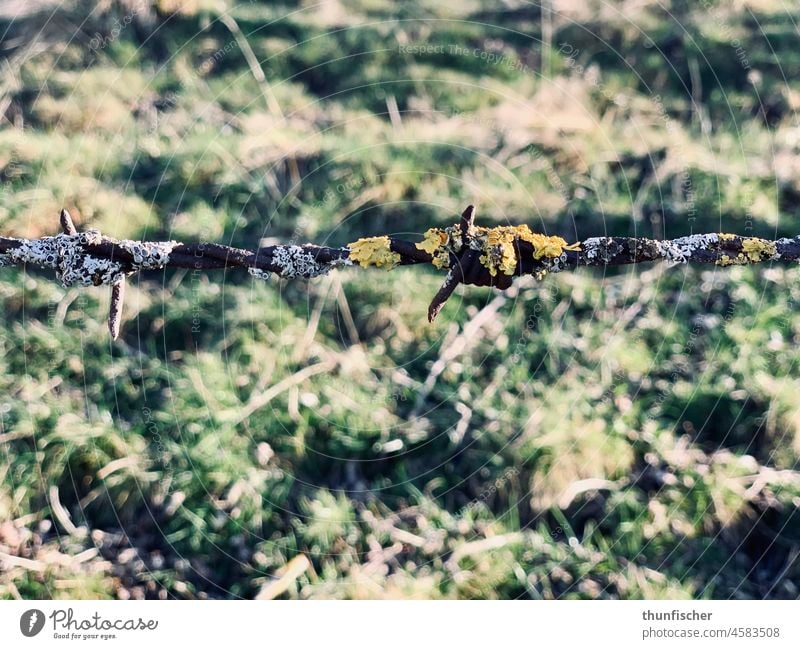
(66, 223)
(467, 223)
(460, 265)
(115, 309)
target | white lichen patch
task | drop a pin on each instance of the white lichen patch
(782, 243)
(294, 261)
(594, 246)
(66, 254)
(148, 255)
(679, 251)
(259, 274)
(557, 264)
(75, 266)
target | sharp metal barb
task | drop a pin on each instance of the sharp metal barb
(443, 294)
(115, 309)
(66, 223)
(467, 223)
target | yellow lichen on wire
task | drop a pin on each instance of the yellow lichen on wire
(754, 250)
(758, 249)
(497, 245)
(435, 244)
(498, 249)
(500, 253)
(726, 260)
(373, 251)
(550, 247)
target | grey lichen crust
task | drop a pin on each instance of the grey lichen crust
(675, 251)
(556, 264)
(295, 261)
(66, 254)
(258, 273)
(679, 251)
(150, 255)
(595, 247)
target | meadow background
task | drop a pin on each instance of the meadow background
(625, 434)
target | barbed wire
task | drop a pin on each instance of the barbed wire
(470, 254)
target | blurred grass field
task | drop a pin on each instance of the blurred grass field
(630, 434)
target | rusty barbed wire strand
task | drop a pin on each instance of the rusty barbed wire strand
(470, 254)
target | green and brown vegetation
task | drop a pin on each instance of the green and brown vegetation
(633, 433)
